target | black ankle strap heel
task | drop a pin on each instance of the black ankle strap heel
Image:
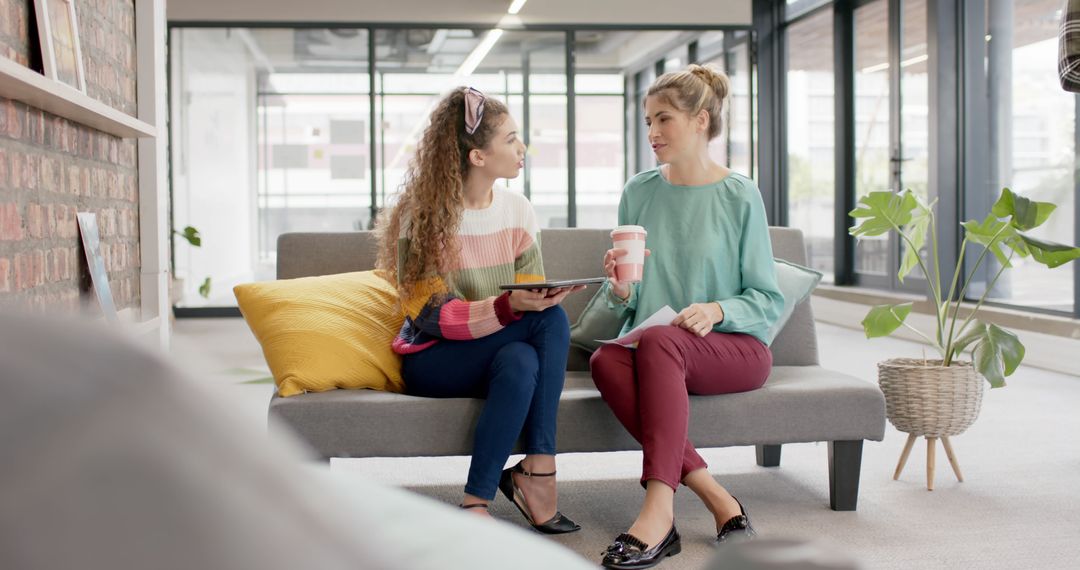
(558, 524)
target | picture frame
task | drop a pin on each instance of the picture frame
(99, 277)
(61, 51)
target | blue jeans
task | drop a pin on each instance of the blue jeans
(519, 371)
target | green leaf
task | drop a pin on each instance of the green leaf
(1011, 349)
(1024, 214)
(1016, 243)
(191, 235)
(882, 212)
(973, 333)
(204, 289)
(882, 320)
(998, 355)
(1049, 253)
(915, 230)
(987, 364)
(983, 234)
(1003, 208)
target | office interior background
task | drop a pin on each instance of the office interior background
(279, 126)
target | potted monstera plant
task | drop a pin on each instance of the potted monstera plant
(940, 398)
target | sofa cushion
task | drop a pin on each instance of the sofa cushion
(321, 333)
(796, 404)
(796, 283)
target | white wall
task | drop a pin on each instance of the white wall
(637, 12)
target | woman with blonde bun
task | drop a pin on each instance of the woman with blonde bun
(711, 259)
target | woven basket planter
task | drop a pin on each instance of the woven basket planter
(924, 398)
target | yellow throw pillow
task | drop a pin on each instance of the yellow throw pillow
(326, 332)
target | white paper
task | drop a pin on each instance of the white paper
(663, 317)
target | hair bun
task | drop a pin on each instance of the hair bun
(713, 77)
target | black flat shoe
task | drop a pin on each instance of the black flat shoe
(737, 527)
(557, 524)
(629, 551)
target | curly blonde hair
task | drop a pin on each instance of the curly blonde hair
(432, 199)
(694, 89)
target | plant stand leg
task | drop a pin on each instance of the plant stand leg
(952, 457)
(931, 446)
(903, 456)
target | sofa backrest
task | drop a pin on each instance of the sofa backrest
(567, 252)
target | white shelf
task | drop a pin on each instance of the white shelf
(23, 84)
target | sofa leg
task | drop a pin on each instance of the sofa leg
(845, 461)
(768, 455)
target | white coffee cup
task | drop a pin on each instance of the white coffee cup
(630, 266)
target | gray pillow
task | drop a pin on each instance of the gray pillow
(597, 321)
(796, 283)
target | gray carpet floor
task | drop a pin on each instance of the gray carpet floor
(1019, 506)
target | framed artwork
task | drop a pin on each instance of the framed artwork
(91, 241)
(58, 30)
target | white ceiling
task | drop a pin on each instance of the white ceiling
(483, 12)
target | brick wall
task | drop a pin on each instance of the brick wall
(51, 168)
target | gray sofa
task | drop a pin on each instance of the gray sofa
(801, 401)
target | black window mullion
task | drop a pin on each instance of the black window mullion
(571, 135)
(1076, 206)
(844, 139)
(371, 127)
(526, 128)
(629, 161)
(767, 47)
(895, 39)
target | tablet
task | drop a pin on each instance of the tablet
(555, 284)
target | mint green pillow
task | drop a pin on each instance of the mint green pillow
(796, 283)
(597, 321)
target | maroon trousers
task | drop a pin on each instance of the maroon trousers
(648, 389)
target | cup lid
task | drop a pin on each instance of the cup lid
(629, 229)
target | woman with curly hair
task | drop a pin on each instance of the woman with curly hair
(711, 259)
(451, 240)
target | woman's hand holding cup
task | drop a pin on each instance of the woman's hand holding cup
(619, 288)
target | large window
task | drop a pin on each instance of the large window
(601, 157)
(1032, 145)
(1017, 129)
(278, 130)
(743, 125)
(872, 116)
(810, 136)
(729, 52)
(526, 70)
(314, 168)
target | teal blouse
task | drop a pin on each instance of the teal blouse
(709, 243)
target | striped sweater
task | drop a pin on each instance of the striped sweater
(499, 244)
